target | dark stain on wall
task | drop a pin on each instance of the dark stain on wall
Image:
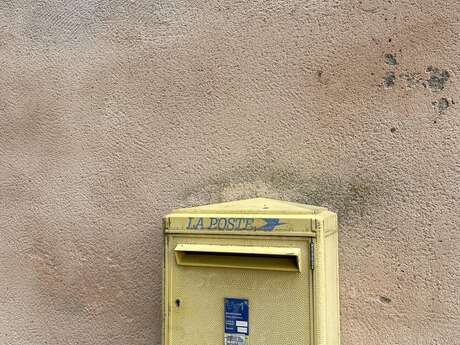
(350, 196)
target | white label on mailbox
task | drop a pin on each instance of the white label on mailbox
(235, 339)
(242, 324)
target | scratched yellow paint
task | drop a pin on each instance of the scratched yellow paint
(280, 257)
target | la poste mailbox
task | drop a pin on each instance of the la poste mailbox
(259, 272)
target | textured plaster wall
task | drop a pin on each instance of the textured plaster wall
(114, 112)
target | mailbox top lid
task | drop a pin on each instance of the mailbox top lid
(257, 206)
(260, 215)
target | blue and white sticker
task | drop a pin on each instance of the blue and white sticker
(236, 316)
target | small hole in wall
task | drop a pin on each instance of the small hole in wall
(389, 40)
(177, 302)
(384, 299)
(392, 129)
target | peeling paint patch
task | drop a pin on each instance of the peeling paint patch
(389, 80)
(390, 59)
(436, 78)
(441, 104)
(436, 81)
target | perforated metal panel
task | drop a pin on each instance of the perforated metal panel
(280, 302)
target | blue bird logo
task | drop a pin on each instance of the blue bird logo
(270, 224)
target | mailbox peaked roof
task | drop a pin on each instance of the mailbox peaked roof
(258, 216)
(253, 206)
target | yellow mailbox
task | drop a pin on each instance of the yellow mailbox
(259, 272)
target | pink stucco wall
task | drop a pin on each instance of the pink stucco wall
(114, 112)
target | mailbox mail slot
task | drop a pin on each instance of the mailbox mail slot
(245, 257)
(258, 272)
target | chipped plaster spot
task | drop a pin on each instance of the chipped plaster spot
(436, 78)
(441, 104)
(389, 80)
(384, 300)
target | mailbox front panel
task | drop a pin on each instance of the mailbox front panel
(275, 279)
